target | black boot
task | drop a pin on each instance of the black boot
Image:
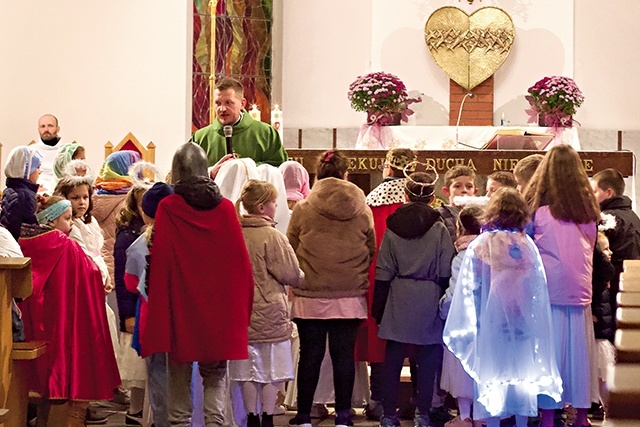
(267, 420)
(253, 420)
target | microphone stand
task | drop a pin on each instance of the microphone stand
(468, 95)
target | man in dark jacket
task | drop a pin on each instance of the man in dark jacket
(624, 238)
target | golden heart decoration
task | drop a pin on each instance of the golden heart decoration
(469, 48)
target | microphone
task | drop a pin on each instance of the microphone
(228, 131)
(469, 95)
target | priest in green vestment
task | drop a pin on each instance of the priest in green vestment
(256, 140)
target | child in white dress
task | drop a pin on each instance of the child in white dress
(274, 266)
(454, 378)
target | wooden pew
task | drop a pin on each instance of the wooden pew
(623, 381)
(620, 423)
(21, 355)
(630, 264)
(628, 318)
(15, 282)
(627, 343)
(628, 299)
(630, 281)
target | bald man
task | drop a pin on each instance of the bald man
(48, 145)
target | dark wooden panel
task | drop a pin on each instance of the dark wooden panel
(484, 162)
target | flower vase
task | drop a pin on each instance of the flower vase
(560, 120)
(383, 119)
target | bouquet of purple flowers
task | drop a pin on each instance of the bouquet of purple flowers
(555, 98)
(382, 94)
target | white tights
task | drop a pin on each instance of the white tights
(267, 391)
(464, 407)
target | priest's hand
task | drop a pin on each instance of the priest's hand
(213, 170)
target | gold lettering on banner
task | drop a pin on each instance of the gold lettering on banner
(504, 164)
(431, 163)
(298, 159)
(588, 164)
(444, 164)
(364, 163)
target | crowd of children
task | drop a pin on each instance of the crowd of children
(506, 302)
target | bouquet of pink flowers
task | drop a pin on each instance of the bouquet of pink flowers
(382, 94)
(556, 98)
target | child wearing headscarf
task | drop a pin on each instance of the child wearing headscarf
(111, 187)
(67, 310)
(66, 153)
(114, 174)
(19, 198)
(296, 181)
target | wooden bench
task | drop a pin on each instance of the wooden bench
(629, 264)
(22, 355)
(628, 299)
(619, 423)
(630, 281)
(15, 282)
(627, 343)
(628, 318)
(623, 381)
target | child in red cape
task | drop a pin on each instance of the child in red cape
(67, 310)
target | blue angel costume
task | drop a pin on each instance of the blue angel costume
(499, 325)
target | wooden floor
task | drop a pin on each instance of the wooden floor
(117, 419)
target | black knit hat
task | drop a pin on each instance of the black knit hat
(153, 196)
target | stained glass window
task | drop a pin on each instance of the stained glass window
(242, 51)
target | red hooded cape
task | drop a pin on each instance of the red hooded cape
(200, 284)
(67, 309)
(369, 347)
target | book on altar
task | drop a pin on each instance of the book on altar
(518, 139)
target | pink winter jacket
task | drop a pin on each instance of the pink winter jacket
(567, 254)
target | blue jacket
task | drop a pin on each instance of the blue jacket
(18, 205)
(127, 301)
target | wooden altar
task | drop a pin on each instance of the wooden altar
(364, 165)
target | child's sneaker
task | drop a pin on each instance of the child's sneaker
(440, 415)
(319, 410)
(387, 421)
(373, 411)
(421, 420)
(300, 420)
(133, 419)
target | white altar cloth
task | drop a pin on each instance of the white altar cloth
(444, 137)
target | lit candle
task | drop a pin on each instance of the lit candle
(254, 113)
(276, 120)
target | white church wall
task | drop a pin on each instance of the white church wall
(395, 43)
(608, 64)
(104, 68)
(581, 39)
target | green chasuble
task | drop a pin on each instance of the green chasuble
(256, 140)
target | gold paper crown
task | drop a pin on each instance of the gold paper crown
(400, 162)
